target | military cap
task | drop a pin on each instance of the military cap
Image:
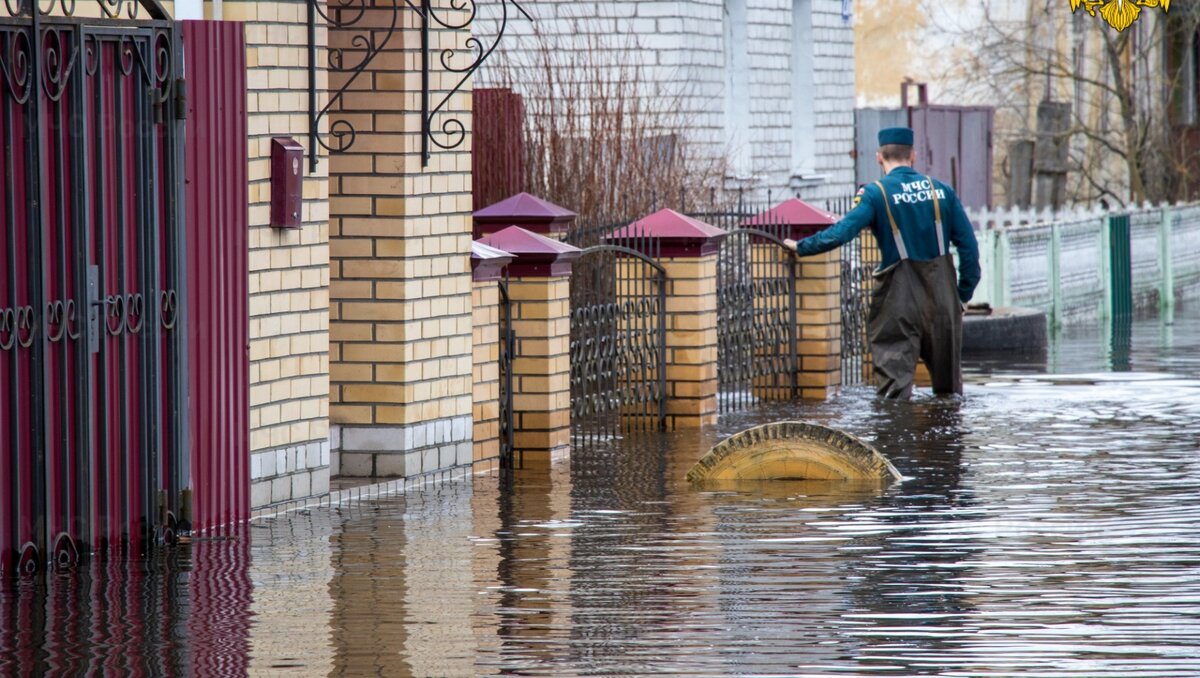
(901, 136)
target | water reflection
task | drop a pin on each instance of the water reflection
(184, 613)
(1048, 524)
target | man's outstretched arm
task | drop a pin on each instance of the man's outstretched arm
(838, 234)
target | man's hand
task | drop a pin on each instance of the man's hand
(790, 244)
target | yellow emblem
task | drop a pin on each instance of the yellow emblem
(1120, 14)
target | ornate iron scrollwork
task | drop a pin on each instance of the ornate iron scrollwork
(347, 14)
(66, 553)
(126, 310)
(756, 318)
(17, 327)
(61, 314)
(15, 65)
(111, 9)
(618, 341)
(169, 309)
(30, 561)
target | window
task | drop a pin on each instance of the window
(737, 86)
(804, 124)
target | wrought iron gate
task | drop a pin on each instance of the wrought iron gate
(756, 319)
(618, 341)
(92, 354)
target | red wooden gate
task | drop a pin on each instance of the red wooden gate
(92, 352)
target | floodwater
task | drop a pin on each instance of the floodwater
(1048, 525)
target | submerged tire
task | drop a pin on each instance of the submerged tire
(793, 450)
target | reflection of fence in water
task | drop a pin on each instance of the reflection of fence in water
(182, 611)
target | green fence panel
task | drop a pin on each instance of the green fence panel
(1120, 266)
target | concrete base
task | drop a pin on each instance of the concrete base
(401, 451)
(1007, 330)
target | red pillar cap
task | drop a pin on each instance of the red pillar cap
(802, 218)
(534, 256)
(487, 262)
(527, 211)
(678, 234)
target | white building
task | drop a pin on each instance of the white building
(767, 84)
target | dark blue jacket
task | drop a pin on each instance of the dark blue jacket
(912, 207)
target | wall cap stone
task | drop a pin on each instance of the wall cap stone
(802, 218)
(678, 235)
(534, 255)
(487, 262)
(527, 211)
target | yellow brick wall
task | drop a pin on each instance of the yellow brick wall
(819, 325)
(289, 269)
(541, 367)
(691, 341)
(400, 311)
(485, 302)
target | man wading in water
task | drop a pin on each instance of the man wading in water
(916, 308)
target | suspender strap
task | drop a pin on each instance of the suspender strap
(937, 217)
(892, 220)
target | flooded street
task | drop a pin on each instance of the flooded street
(1048, 526)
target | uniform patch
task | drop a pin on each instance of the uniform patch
(858, 196)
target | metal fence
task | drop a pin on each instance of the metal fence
(618, 335)
(1080, 264)
(756, 306)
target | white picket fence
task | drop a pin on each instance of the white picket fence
(1061, 262)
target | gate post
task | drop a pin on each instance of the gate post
(487, 265)
(688, 254)
(539, 291)
(818, 301)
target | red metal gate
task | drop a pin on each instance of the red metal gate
(92, 352)
(218, 228)
(498, 156)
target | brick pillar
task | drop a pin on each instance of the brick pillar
(400, 317)
(487, 265)
(529, 212)
(539, 290)
(818, 301)
(819, 325)
(687, 249)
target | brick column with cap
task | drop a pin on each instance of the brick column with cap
(539, 290)
(527, 211)
(487, 267)
(818, 301)
(688, 252)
